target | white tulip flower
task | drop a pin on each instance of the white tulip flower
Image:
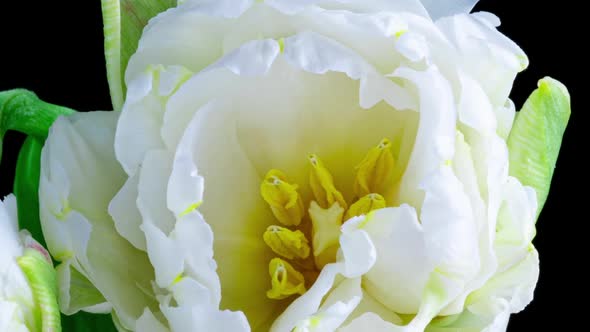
(299, 165)
(27, 281)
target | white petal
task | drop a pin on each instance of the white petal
(370, 322)
(126, 215)
(308, 304)
(436, 132)
(516, 222)
(317, 54)
(176, 37)
(153, 183)
(516, 285)
(485, 54)
(438, 9)
(475, 109)
(401, 270)
(358, 252)
(413, 46)
(11, 318)
(335, 309)
(80, 149)
(195, 238)
(165, 255)
(11, 246)
(138, 128)
(231, 181)
(200, 315)
(218, 8)
(149, 323)
(251, 59)
(505, 115)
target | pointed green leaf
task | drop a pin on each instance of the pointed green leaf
(536, 136)
(124, 21)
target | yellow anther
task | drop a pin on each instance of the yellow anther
(285, 280)
(325, 231)
(283, 198)
(322, 184)
(374, 170)
(287, 243)
(365, 205)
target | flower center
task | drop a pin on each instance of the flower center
(299, 262)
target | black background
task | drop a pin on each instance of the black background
(55, 48)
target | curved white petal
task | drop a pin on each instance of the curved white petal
(80, 149)
(485, 54)
(125, 213)
(436, 132)
(195, 312)
(17, 304)
(438, 8)
(341, 301)
(138, 127)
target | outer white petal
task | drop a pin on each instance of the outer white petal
(218, 8)
(485, 54)
(80, 149)
(17, 304)
(438, 8)
(366, 6)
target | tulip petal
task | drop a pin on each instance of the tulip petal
(438, 9)
(79, 170)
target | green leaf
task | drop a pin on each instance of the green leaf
(26, 187)
(21, 110)
(536, 136)
(42, 279)
(124, 21)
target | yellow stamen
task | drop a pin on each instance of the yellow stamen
(365, 205)
(285, 280)
(375, 169)
(322, 184)
(283, 198)
(325, 231)
(287, 243)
